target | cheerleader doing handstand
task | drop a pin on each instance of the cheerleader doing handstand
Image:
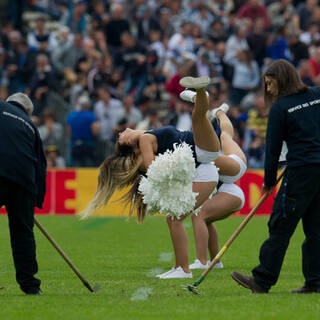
(229, 198)
(135, 150)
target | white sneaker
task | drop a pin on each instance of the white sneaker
(213, 113)
(164, 274)
(188, 95)
(177, 273)
(218, 265)
(194, 83)
(198, 265)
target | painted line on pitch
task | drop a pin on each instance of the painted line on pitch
(165, 257)
(141, 294)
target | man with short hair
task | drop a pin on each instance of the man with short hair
(22, 184)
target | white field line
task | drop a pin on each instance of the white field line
(141, 294)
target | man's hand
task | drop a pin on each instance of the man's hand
(267, 190)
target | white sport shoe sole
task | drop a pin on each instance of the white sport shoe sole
(189, 95)
(194, 83)
(165, 273)
(177, 273)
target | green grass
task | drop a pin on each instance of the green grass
(118, 254)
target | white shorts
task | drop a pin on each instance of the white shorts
(206, 172)
(232, 179)
(204, 156)
(234, 190)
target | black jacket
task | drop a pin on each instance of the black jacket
(22, 158)
(296, 120)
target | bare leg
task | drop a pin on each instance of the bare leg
(204, 135)
(213, 243)
(217, 208)
(180, 243)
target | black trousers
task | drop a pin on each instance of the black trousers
(20, 207)
(298, 198)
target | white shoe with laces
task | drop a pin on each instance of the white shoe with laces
(175, 273)
(189, 95)
(164, 274)
(198, 265)
(218, 265)
(194, 83)
(213, 113)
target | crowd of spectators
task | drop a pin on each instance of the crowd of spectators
(93, 68)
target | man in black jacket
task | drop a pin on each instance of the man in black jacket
(22, 184)
(294, 117)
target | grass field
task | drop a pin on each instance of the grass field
(123, 256)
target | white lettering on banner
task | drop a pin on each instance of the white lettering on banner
(304, 105)
(18, 118)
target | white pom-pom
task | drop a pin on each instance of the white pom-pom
(168, 186)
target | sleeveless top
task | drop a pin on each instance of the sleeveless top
(167, 136)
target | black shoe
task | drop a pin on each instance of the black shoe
(247, 282)
(306, 289)
(32, 291)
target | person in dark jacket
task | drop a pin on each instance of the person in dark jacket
(294, 117)
(22, 184)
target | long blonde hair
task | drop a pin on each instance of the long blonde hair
(118, 171)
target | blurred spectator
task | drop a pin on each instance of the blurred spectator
(311, 35)
(277, 47)
(76, 17)
(109, 112)
(134, 63)
(182, 41)
(150, 122)
(82, 128)
(145, 23)
(221, 8)
(236, 42)
(304, 71)
(181, 116)
(203, 17)
(298, 50)
(67, 54)
(100, 74)
(246, 76)
(281, 12)
(304, 11)
(217, 31)
(132, 114)
(257, 41)
(258, 117)
(187, 68)
(54, 159)
(40, 38)
(42, 82)
(163, 20)
(252, 9)
(100, 18)
(51, 132)
(314, 63)
(116, 26)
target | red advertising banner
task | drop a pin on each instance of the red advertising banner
(68, 192)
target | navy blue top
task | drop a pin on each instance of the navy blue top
(296, 120)
(22, 159)
(169, 135)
